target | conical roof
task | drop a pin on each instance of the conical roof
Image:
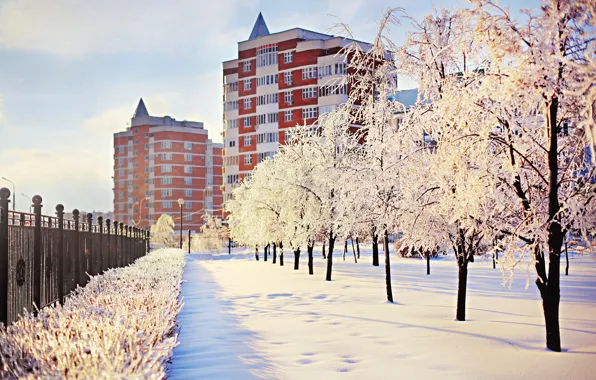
(260, 29)
(141, 110)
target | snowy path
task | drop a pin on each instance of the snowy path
(308, 328)
(212, 345)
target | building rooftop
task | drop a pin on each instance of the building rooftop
(260, 29)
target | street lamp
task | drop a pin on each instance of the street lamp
(30, 200)
(14, 203)
(181, 204)
(140, 222)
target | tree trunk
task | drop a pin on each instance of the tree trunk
(494, 262)
(358, 247)
(375, 249)
(309, 248)
(462, 284)
(353, 251)
(428, 262)
(567, 261)
(330, 256)
(265, 252)
(345, 249)
(281, 254)
(257, 253)
(324, 249)
(274, 252)
(387, 267)
(296, 258)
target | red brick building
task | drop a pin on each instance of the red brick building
(277, 81)
(159, 160)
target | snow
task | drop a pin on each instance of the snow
(246, 319)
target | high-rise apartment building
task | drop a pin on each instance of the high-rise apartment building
(279, 80)
(159, 160)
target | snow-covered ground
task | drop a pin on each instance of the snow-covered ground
(247, 319)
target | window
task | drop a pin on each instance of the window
(232, 179)
(309, 93)
(261, 119)
(340, 68)
(188, 217)
(188, 181)
(188, 193)
(232, 123)
(247, 122)
(232, 87)
(288, 97)
(325, 71)
(231, 143)
(121, 172)
(288, 115)
(188, 145)
(166, 144)
(272, 117)
(266, 99)
(267, 137)
(166, 180)
(309, 113)
(247, 103)
(166, 193)
(166, 156)
(231, 105)
(266, 55)
(167, 204)
(188, 157)
(337, 89)
(288, 78)
(247, 84)
(166, 168)
(264, 155)
(187, 169)
(247, 159)
(121, 149)
(247, 141)
(120, 161)
(309, 73)
(121, 195)
(287, 57)
(267, 80)
(247, 67)
(325, 109)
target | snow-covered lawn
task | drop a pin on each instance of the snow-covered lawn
(122, 324)
(276, 323)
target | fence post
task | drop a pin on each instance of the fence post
(189, 242)
(122, 247)
(89, 267)
(115, 255)
(126, 246)
(100, 254)
(60, 279)
(4, 201)
(135, 243)
(109, 250)
(37, 269)
(75, 256)
(148, 241)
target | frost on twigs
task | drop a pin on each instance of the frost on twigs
(122, 324)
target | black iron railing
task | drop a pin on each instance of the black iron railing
(44, 258)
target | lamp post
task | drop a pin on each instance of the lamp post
(29, 198)
(181, 204)
(14, 203)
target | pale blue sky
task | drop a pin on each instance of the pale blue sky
(72, 72)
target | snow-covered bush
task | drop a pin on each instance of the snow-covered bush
(122, 324)
(162, 232)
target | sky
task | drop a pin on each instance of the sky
(72, 73)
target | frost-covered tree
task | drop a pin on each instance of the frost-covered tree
(212, 235)
(162, 232)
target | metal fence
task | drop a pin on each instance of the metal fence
(44, 258)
